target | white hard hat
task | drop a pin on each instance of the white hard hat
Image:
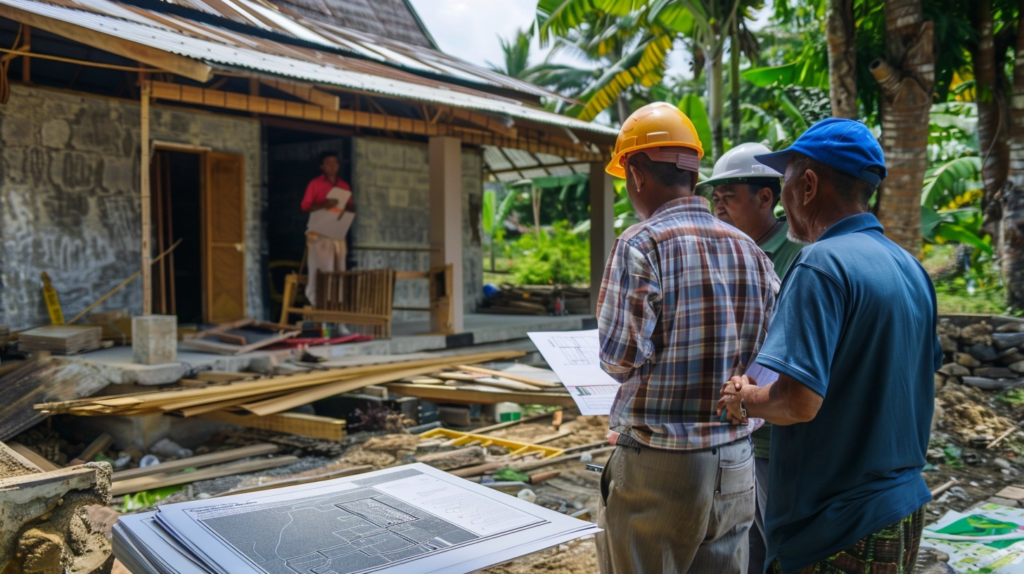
(739, 164)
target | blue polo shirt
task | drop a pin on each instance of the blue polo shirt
(855, 323)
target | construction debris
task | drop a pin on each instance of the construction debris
(61, 339)
(42, 379)
(242, 336)
(44, 528)
(266, 396)
(537, 300)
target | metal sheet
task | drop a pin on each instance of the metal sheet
(231, 49)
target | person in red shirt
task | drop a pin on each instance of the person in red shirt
(324, 253)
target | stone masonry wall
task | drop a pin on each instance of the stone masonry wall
(70, 203)
(390, 181)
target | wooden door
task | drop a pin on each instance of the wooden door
(224, 238)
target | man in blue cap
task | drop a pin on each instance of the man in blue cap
(853, 340)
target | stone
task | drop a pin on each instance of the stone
(154, 339)
(1017, 367)
(994, 373)
(1011, 326)
(948, 344)
(946, 327)
(56, 134)
(955, 370)
(937, 415)
(1001, 462)
(1007, 340)
(1010, 356)
(987, 384)
(983, 352)
(966, 360)
(940, 381)
(978, 333)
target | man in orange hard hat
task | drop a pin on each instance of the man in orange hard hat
(685, 299)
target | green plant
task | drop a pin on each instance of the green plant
(562, 257)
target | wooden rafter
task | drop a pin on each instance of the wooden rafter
(485, 121)
(305, 92)
(311, 112)
(164, 60)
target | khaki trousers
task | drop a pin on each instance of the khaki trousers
(322, 254)
(668, 512)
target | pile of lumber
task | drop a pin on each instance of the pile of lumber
(537, 300)
(266, 396)
(61, 339)
(469, 384)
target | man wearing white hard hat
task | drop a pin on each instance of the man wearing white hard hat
(744, 193)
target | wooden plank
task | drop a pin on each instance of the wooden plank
(289, 423)
(443, 394)
(511, 376)
(32, 456)
(305, 92)
(197, 461)
(293, 382)
(95, 447)
(302, 480)
(306, 396)
(161, 59)
(223, 377)
(162, 480)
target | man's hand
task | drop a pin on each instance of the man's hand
(734, 391)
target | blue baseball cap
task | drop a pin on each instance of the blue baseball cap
(845, 145)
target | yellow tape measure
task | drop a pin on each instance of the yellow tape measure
(52, 302)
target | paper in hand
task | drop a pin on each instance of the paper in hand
(333, 222)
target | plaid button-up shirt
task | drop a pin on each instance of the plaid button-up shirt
(684, 306)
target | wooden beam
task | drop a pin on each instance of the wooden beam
(161, 480)
(443, 394)
(32, 456)
(305, 92)
(161, 59)
(289, 423)
(209, 459)
(147, 255)
(314, 113)
(485, 121)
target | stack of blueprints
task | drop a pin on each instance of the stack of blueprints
(406, 519)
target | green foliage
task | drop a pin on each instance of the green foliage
(944, 183)
(562, 258)
(1013, 397)
(511, 475)
(693, 107)
(148, 498)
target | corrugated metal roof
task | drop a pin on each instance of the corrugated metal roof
(511, 165)
(229, 49)
(317, 21)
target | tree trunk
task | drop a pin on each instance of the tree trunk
(991, 99)
(734, 83)
(905, 78)
(1012, 224)
(842, 60)
(716, 97)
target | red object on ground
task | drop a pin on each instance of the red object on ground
(318, 341)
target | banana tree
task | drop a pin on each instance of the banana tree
(635, 36)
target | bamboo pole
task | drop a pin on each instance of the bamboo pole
(147, 271)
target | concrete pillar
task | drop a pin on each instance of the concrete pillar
(602, 231)
(444, 155)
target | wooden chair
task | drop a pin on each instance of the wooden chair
(360, 298)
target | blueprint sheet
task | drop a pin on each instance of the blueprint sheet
(573, 356)
(375, 522)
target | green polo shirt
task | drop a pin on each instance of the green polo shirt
(782, 252)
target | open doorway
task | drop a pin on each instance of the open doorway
(176, 190)
(293, 159)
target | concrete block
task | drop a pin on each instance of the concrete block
(154, 339)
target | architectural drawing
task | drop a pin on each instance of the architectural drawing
(577, 350)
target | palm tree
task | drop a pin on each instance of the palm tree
(634, 37)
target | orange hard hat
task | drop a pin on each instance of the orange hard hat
(657, 125)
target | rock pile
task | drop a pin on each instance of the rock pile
(980, 356)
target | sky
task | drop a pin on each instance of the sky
(469, 29)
